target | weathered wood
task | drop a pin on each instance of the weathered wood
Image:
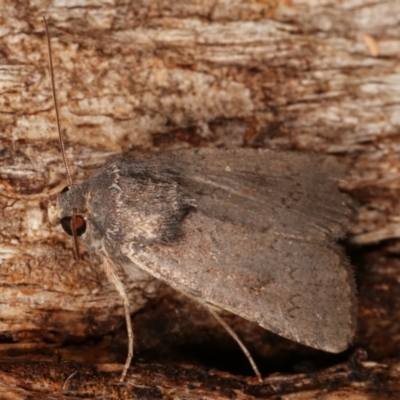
(134, 78)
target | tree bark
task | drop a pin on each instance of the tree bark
(138, 77)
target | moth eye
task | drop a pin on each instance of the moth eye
(80, 225)
(66, 189)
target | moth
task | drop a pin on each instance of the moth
(250, 231)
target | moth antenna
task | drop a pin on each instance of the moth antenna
(53, 88)
(60, 137)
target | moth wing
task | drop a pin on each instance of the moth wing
(298, 289)
(284, 191)
(261, 242)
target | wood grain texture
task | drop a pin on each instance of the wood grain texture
(135, 77)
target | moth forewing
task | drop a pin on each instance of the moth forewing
(300, 290)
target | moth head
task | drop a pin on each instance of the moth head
(74, 221)
(84, 211)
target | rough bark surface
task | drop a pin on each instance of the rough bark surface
(141, 76)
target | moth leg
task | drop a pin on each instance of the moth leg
(236, 338)
(113, 277)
